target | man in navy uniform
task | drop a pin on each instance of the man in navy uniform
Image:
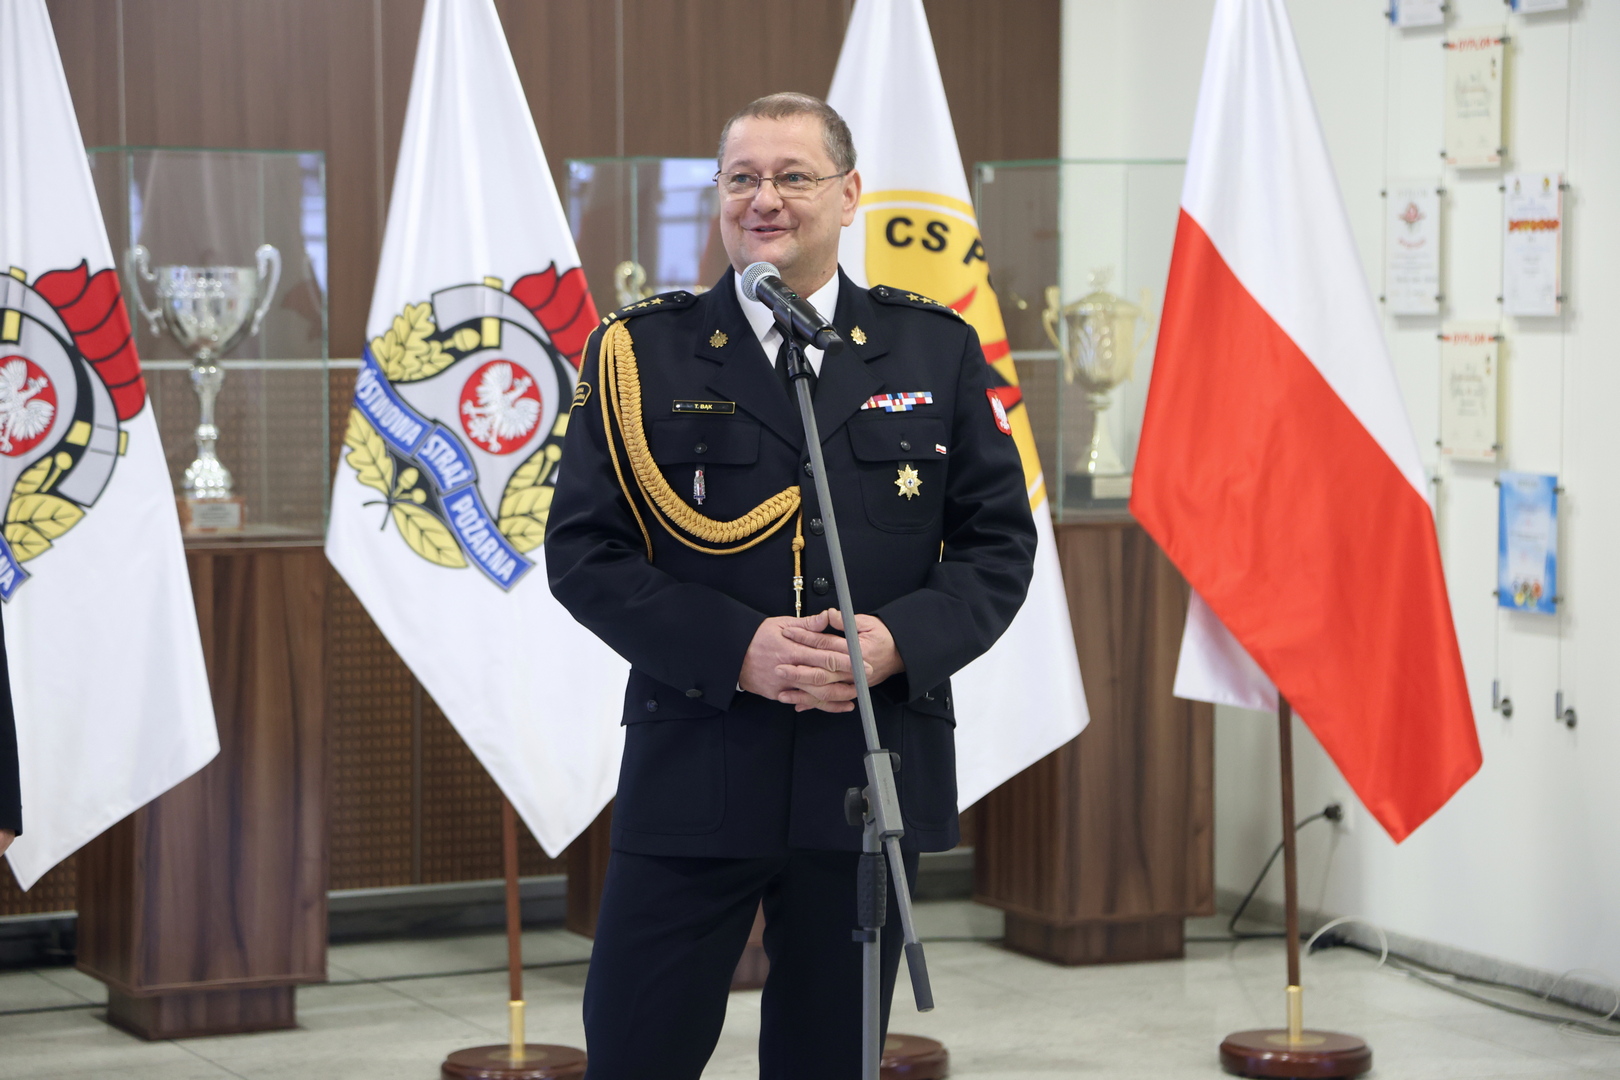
(685, 533)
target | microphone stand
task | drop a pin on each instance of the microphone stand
(875, 808)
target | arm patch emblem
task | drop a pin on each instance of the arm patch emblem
(999, 411)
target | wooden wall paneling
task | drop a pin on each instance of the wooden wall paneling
(567, 58)
(87, 37)
(1001, 68)
(369, 695)
(690, 64)
(56, 891)
(205, 907)
(398, 26)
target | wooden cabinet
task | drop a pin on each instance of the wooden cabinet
(205, 908)
(1100, 850)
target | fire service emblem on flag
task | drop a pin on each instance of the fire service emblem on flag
(69, 376)
(458, 417)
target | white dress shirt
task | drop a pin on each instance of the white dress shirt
(824, 300)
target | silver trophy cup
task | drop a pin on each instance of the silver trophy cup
(207, 310)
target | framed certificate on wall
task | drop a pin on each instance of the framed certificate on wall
(1468, 379)
(1527, 543)
(1473, 98)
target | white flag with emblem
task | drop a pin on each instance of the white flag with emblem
(440, 501)
(107, 674)
(916, 229)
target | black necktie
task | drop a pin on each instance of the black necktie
(783, 374)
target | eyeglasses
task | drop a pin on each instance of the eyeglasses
(789, 185)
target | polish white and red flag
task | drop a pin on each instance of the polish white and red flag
(1277, 466)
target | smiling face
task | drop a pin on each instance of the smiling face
(799, 236)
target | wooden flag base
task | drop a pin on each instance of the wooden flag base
(1269, 1053)
(535, 1061)
(540, 1062)
(1293, 1051)
(912, 1057)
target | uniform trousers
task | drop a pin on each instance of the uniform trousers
(668, 938)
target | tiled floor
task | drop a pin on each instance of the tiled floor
(1003, 1017)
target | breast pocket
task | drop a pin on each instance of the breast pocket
(902, 469)
(721, 449)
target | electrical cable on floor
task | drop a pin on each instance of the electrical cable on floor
(1604, 1027)
(1331, 812)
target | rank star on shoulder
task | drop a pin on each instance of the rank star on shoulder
(908, 482)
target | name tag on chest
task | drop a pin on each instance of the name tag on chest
(717, 408)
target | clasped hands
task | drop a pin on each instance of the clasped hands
(798, 662)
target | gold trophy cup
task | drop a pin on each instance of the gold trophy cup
(1104, 334)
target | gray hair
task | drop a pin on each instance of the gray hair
(834, 132)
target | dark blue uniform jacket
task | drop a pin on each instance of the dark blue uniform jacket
(710, 770)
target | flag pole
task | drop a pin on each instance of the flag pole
(1292, 1051)
(517, 1058)
(514, 930)
(1296, 993)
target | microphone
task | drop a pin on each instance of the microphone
(763, 282)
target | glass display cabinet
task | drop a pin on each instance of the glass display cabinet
(644, 225)
(223, 261)
(1080, 251)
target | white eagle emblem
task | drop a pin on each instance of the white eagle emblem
(501, 411)
(23, 415)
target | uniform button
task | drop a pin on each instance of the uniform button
(882, 291)
(817, 527)
(905, 444)
(701, 448)
(808, 471)
(694, 693)
(652, 704)
(820, 586)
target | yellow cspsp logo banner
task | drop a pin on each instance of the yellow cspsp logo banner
(930, 244)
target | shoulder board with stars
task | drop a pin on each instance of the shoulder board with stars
(888, 294)
(670, 301)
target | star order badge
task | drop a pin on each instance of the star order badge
(909, 482)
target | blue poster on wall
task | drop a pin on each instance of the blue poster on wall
(1527, 543)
